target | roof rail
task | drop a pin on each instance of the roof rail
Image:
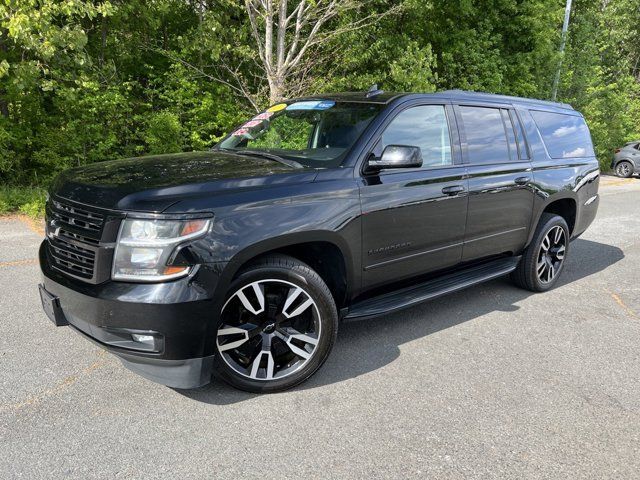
(471, 94)
(373, 91)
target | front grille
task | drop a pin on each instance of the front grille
(74, 234)
(72, 258)
(79, 238)
(76, 218)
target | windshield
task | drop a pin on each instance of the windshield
(316, 133)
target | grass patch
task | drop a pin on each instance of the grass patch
(26, 200)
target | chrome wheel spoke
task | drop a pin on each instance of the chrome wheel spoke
(305, 339)
(223, 332)
(546, 243)
(558, 235)
(541, 268)
(299, 351)
(255, 366)
(257, 290)
(294, 293)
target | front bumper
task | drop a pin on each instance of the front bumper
(179, 314)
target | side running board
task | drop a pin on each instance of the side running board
(413, 295)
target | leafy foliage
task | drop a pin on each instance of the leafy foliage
(83, 81)
(27, 200)
(163, 133)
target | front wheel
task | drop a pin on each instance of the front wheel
(277, 326)
(544, 258)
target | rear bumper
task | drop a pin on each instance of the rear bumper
(180, 315)
(586, 214)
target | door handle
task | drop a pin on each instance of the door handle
(453, 190)
(522, 180)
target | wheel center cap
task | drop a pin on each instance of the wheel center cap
(269, 327)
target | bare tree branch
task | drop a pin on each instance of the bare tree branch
(288, 36)
(240, 88)
(283, 21)
(252, 13)
(295, 40)
(268, 36)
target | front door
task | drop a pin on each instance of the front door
(500, 193)
(413, 220)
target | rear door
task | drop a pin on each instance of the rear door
(500, 193)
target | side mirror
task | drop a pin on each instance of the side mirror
(397, 156)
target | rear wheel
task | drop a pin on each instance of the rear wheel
(624, 169)
(277, 326)
(544, 258)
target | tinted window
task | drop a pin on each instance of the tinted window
(522, 146)
(315, 133)
(565, 136)
(425, 127)
(485, 132)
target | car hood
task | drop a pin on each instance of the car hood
(153, 183)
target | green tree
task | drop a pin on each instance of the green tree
(600, 74)
(83, 81)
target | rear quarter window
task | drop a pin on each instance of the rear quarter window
(565, 136)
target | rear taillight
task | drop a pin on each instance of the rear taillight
(617, 150)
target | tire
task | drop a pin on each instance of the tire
(277, 326)
(624, 169)
(542, 264)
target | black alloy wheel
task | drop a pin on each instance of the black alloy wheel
(276, 327)
(543, 260)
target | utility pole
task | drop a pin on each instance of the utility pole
(565, 28)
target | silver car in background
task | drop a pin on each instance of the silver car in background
(626, 160)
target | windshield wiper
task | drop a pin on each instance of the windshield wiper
(270, 156)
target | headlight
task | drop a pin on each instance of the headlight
(145, 246)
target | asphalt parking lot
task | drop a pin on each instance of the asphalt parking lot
(491, 382)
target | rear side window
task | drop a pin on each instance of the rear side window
(485, 134)
(565, 136)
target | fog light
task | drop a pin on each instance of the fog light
(146, 339)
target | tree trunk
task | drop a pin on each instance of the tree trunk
(276, 89)
(103, 40)
(4, 104)
(200, 22)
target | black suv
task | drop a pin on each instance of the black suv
(241, 261)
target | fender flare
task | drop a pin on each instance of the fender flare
(265, 246)
(564, 195)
